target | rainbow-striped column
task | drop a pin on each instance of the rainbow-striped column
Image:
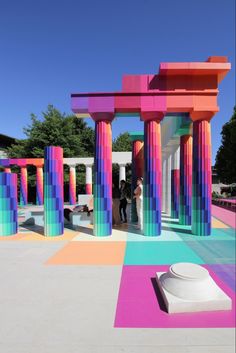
(175, 193)
(175, 182)
(8, 204)
(201, 203)
(39, 185)
(53, 191)
(103, 179)
(23, 186)
(137, 167)
(89, 182)
(185, 205)
(152, 178)
(72, 185)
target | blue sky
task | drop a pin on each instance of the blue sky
(50, 49)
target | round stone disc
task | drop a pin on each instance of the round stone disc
(187, 270)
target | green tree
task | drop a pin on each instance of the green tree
(226, 155)
(122, 143)
(55, 129)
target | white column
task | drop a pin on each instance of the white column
(89, 174)
(168, 185)
(163, 183)
(175, 157)
(122, 174)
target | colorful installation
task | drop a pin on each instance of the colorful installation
(53, 191)
(72, 185)
(137, 167)
(23, 186)
(185, 201)
(201, 199)
(39, 185)
(152, 178)
(8, 204)
(175, 179)
(89, 182)
(103, 179)
(180, 88)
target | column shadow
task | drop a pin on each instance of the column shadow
(159, 297)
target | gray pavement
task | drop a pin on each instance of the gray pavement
(68, 309)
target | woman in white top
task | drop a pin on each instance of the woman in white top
(138, 195)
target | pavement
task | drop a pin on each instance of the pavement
(79, 293)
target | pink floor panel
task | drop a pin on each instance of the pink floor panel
(140, 304)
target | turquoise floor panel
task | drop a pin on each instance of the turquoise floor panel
(159, 253)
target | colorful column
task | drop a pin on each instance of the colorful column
(39, 185)
(23, 186)
(185, 205)
(137, 167)
(8, 204)
(53, 191)
(103, 179)
(72, 185)
(89, 182)
(175, 180)
(201, 200)
(152, 178)
(122, 172)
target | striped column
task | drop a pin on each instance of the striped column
(8, 204)
(103, 179)
(39, 185)
(72, 185)
(53, 191)
(152, 178)
(89, 182)
(23, 186)
(175, 179)
(185, 202)
(137, 168)
(202, 183)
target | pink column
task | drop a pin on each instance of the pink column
(202, 183)
(23, 186)
(185, 202)
(72, 185)
(152, 189)
(39, 185)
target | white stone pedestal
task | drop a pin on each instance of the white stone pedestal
(188, 287)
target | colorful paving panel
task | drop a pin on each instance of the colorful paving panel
(140, 304)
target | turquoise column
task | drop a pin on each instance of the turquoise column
(8, 204)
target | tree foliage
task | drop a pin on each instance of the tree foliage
(226, 155)
(55, 129)
(122, 143)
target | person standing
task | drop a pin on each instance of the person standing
(138, 195)
(123, 201)
(115, 205)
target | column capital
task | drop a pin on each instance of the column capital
(72, 165)
(202, 115)
(152, 115)
(103, 116)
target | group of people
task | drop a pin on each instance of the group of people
(119, 202)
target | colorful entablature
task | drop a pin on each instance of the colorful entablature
(22, 162)
(185, 87)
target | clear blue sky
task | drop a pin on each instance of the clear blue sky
(50, 49)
